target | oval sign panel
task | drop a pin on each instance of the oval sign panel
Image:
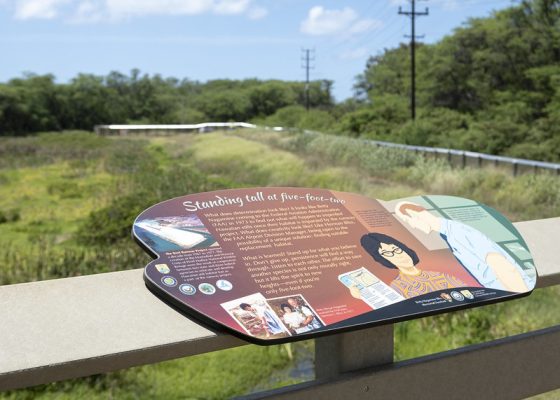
(273, 265)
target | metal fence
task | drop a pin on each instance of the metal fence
(468, 158)
(463, 158)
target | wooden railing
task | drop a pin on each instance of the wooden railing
(67, 328)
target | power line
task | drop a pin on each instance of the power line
(381, 15)
(380, 37)
(373, 39)
(307, 58)
(413, 14)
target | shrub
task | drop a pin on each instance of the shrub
(114, 222)
(288, 117)
(11, 215)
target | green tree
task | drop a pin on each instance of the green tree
(224, 106)
(268, 97)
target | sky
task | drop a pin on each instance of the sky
(215, 39)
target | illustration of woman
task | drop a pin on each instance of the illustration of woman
(411, 281)
(269, 321)
(294, 319)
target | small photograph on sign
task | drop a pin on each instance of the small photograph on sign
(256, 317)
(296, 313)
(174, 233)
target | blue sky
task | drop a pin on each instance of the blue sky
(211, 39)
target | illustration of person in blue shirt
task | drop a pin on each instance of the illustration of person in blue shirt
(486, 261)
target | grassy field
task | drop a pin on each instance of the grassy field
(65, 197)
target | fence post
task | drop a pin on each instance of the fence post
(515, 168)
(464, 157)
(352, 351)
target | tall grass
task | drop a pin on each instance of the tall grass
(337, 150)
(252, 163)
(43, 259)
(51, 147)
(521, 197)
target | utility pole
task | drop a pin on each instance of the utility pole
(306, 59)
(413, 14)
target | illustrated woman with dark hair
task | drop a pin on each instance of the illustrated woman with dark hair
(411, 281)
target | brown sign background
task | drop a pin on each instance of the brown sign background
(233, 257)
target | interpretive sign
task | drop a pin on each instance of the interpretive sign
(280, 264)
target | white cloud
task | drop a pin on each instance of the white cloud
(126, 8)
(231, 6)
(42, 9)
(87, 12)
(80, 11)
(327, 22)
(321, 21)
